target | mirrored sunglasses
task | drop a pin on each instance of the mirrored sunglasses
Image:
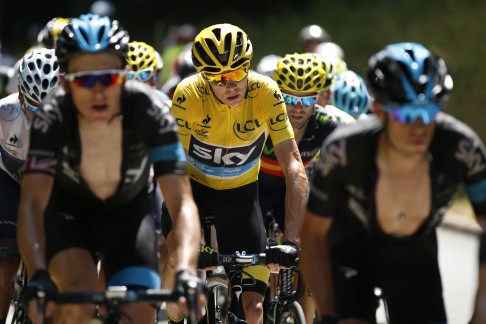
(142, 75)
(221, 80)
(306, 101)
(87, 79)
(408, 113)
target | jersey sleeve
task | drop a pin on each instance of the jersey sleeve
(183, 103)
(328, 181)
(45, 137)
(471, 152)
(278, 121)
(160, 132)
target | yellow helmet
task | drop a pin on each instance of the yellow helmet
(221, 47)
(301, 72)
(47, 37)
(142, 56)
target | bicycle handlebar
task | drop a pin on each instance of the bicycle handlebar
(241, 259)
(115, 296)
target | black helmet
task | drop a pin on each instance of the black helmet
(407, 73)
(92, 33)
(48, 35)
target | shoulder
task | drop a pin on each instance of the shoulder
(448, 124)
(261, 83)
(53, 110)
(356, 135)
(192, 89)
(10, 107)
(138, 96)
(331, 113)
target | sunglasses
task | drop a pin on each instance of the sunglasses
(142, 75)
(221, 80)
(87, 79)
(408, 113)
(306, 101)
(31, 106)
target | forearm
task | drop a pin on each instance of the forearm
(31, 239)
(480, 302)
(315, 265)
(295, 201)
(187, 235)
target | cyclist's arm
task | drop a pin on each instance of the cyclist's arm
(296, 188)
(315, 261)
(480, 304)
(36, 189)
(177, 194)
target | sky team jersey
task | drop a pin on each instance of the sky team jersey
(321, 123)
(223, 144)
(14, 136)
(149, 138)
(457, 156)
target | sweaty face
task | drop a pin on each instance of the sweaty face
(409, 139)
(230, 86)
(299, 111)
(96, 94)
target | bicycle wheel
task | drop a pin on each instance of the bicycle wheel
(290, 313)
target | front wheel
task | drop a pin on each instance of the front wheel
(290, 313)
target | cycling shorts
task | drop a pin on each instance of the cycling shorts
(9, 202)
(238, 222)
(122, 236)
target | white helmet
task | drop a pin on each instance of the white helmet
(330, 49)
(38, 73)
(268, 64)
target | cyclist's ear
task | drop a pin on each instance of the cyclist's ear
(378, 110)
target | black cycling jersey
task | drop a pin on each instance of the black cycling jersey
(271, 179)
(405, 267)
(149, 137)
(121, 228)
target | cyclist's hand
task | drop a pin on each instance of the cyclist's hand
(208, 258)
(282, 256)
(39, 283)
(192, 291)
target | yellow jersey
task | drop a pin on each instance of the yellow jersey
(223, 144)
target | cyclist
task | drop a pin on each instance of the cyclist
(349, 93)
(382, 187)
(145, 64)
(225, 113)
(268, 64)
(183, 68)
(46, 38)
(330, 49)
(38, 74)
(300, 78)
(48, 35)
(311, 36)
(86, 180)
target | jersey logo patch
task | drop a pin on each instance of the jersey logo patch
(226, 162)
(334, 155)
(470, 156)
(10, 112)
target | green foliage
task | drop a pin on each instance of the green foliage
(453, 29)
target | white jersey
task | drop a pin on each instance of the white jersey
(14, 136)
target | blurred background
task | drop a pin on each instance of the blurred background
(454, 29)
